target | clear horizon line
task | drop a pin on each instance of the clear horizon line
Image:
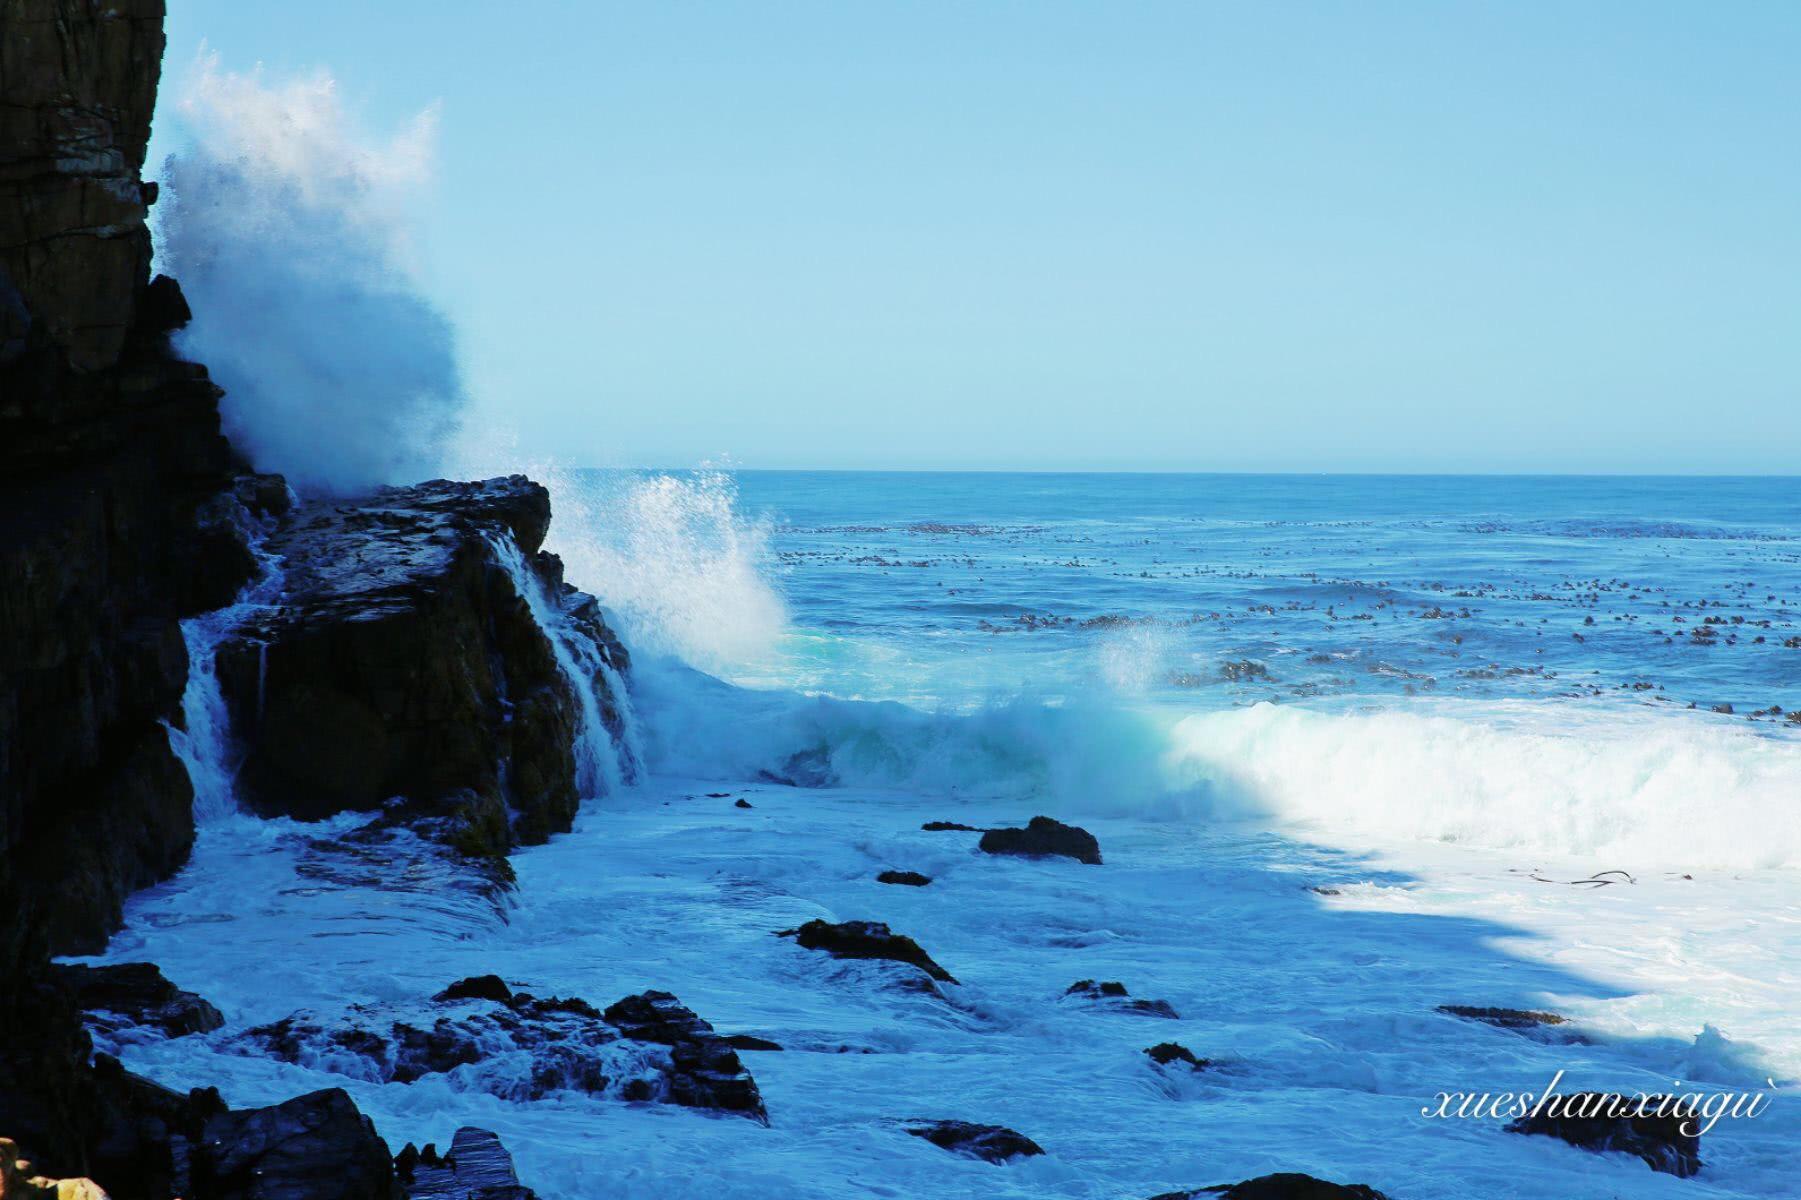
(1325, 474)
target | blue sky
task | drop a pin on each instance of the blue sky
(1194, 236)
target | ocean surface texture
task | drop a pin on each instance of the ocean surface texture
(1354, 748)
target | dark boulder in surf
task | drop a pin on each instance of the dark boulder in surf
(1112, 994)
(1166, 1053)
(313, 1147)
(866, 939)
(404, 661)
(951, 826)
(477, 1167)
(1607, 1122)
(991, 1143)
(478, 987)
(138, 993)
(1286, 1185)
(904, 878)
(1044, 837)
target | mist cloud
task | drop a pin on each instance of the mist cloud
(289, 231)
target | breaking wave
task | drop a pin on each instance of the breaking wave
(290, 231)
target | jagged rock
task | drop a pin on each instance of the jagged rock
(993, 1143)
(645, 1047)
(139, 993)
(1165, 1053)
(904, 878)
(1609, 1122)
(866, 939)
(951, 826)
(1284, 1186)
(1504, 1018)
(1113, 994)
(1044, 837)
(313, 1147)
(706, 1072)
(403, 661)
(477, 1167)
(1545, 1026)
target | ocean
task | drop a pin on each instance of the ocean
(1354, 748)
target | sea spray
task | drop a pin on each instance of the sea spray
(605, 758)
(686, 571)
(290, 231)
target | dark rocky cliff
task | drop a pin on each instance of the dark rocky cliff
(111, 461)
(405, 666)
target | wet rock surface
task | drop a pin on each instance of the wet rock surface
(992, 1143)
(1044, 837)
(309, 1148)
(1167, 1053)
(1282, 1186)
(1503, 1018)
(866, 939)
(139, 996)
(1611, 1123)
(904, 878)
(646, 1047)
(404, 662)
(1546, 1026)
(1112, 994)
(476, 1167)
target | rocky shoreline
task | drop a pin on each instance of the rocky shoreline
(419, 658)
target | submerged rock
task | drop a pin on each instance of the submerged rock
(750, 1042)
(1283, 1186)
(803, 769)
(866, 939)
(1504, 1018)
(904, 878)
(1165, 1053)
(1546, 1026)
(949, 826)
(138, 993)
(477, 1167)
(1605, 1122)
(992, 1143)
(1113, 994)
(1044, 837)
